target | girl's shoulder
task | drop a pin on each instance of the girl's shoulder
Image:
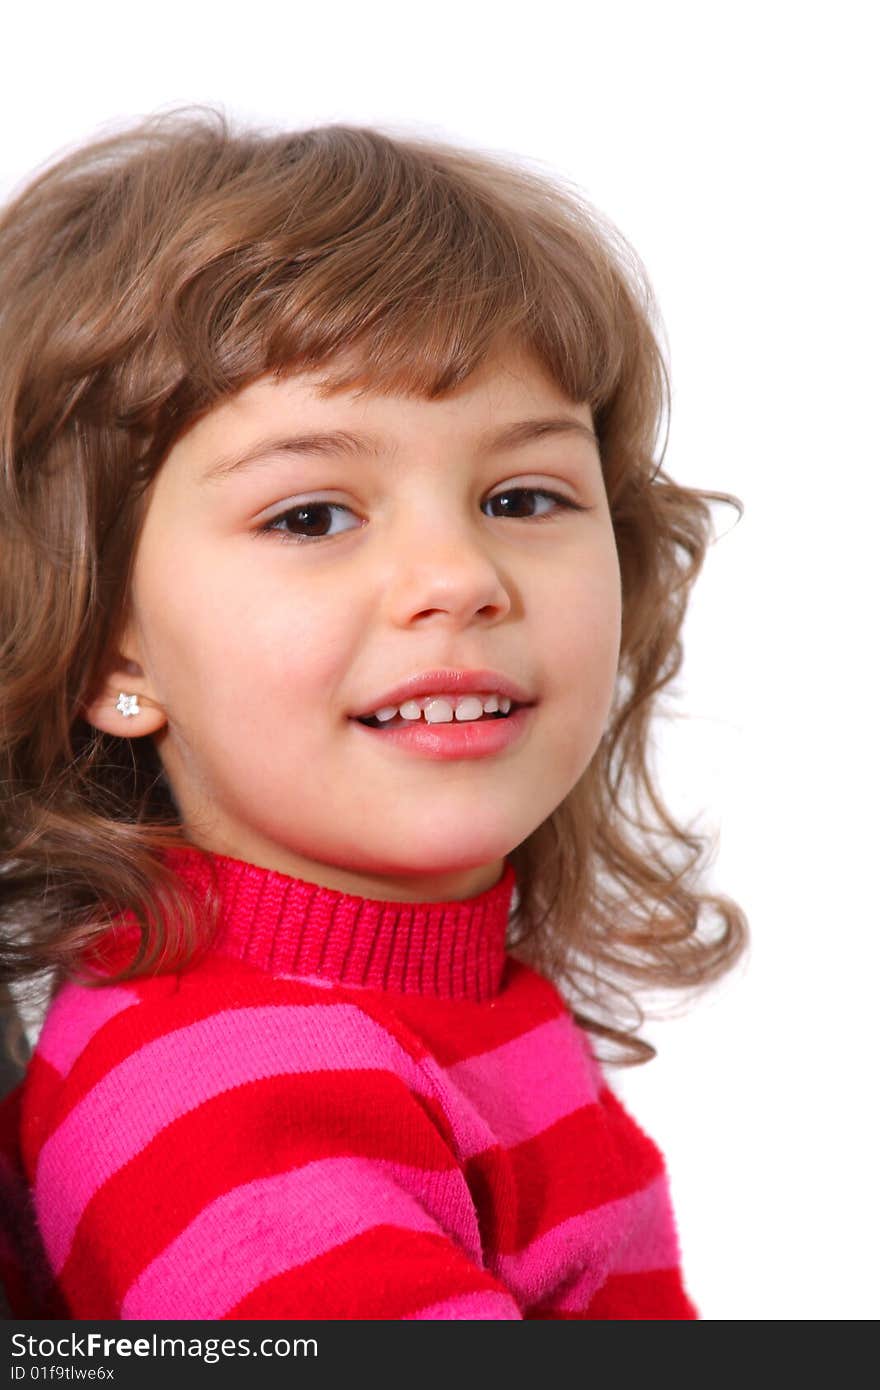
(179, 1035)
(141, 1053)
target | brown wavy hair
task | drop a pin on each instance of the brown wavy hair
(160, 268)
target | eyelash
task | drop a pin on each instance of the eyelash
(269, 527)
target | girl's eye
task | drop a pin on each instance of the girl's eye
(311, 516)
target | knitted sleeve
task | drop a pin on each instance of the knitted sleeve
(235, 1146)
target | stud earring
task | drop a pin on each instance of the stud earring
(128, 704)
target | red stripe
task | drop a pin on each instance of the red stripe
(385, 1274)
(253, 1131)
(455, 1029)
(43, 1091)
(595, 1155)
(655, 1295)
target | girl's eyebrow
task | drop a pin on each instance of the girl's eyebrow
(337, 443)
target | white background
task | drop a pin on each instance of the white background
(736, 150)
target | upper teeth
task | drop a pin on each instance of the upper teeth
(441, 709)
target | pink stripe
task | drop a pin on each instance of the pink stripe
(75, 1016)
(266, 1227)
(469, 1131)
(527, 1084)
(654, 1241)
(175, 1073)
(485, 1304)
(589, 1245)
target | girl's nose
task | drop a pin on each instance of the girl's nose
(445, 571)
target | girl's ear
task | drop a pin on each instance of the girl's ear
(124, 705)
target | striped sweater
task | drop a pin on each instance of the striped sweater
(346, 1109)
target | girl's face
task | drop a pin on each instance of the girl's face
(250, 652)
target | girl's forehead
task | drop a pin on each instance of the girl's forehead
(512, 377)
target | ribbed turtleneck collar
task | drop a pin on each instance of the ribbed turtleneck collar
(288, 926)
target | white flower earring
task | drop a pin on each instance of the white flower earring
(128, 704)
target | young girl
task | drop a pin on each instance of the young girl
(338, 588)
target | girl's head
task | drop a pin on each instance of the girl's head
(180, 305)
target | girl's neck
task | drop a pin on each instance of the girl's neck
(288, 926)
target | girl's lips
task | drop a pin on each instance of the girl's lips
(459, 739)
